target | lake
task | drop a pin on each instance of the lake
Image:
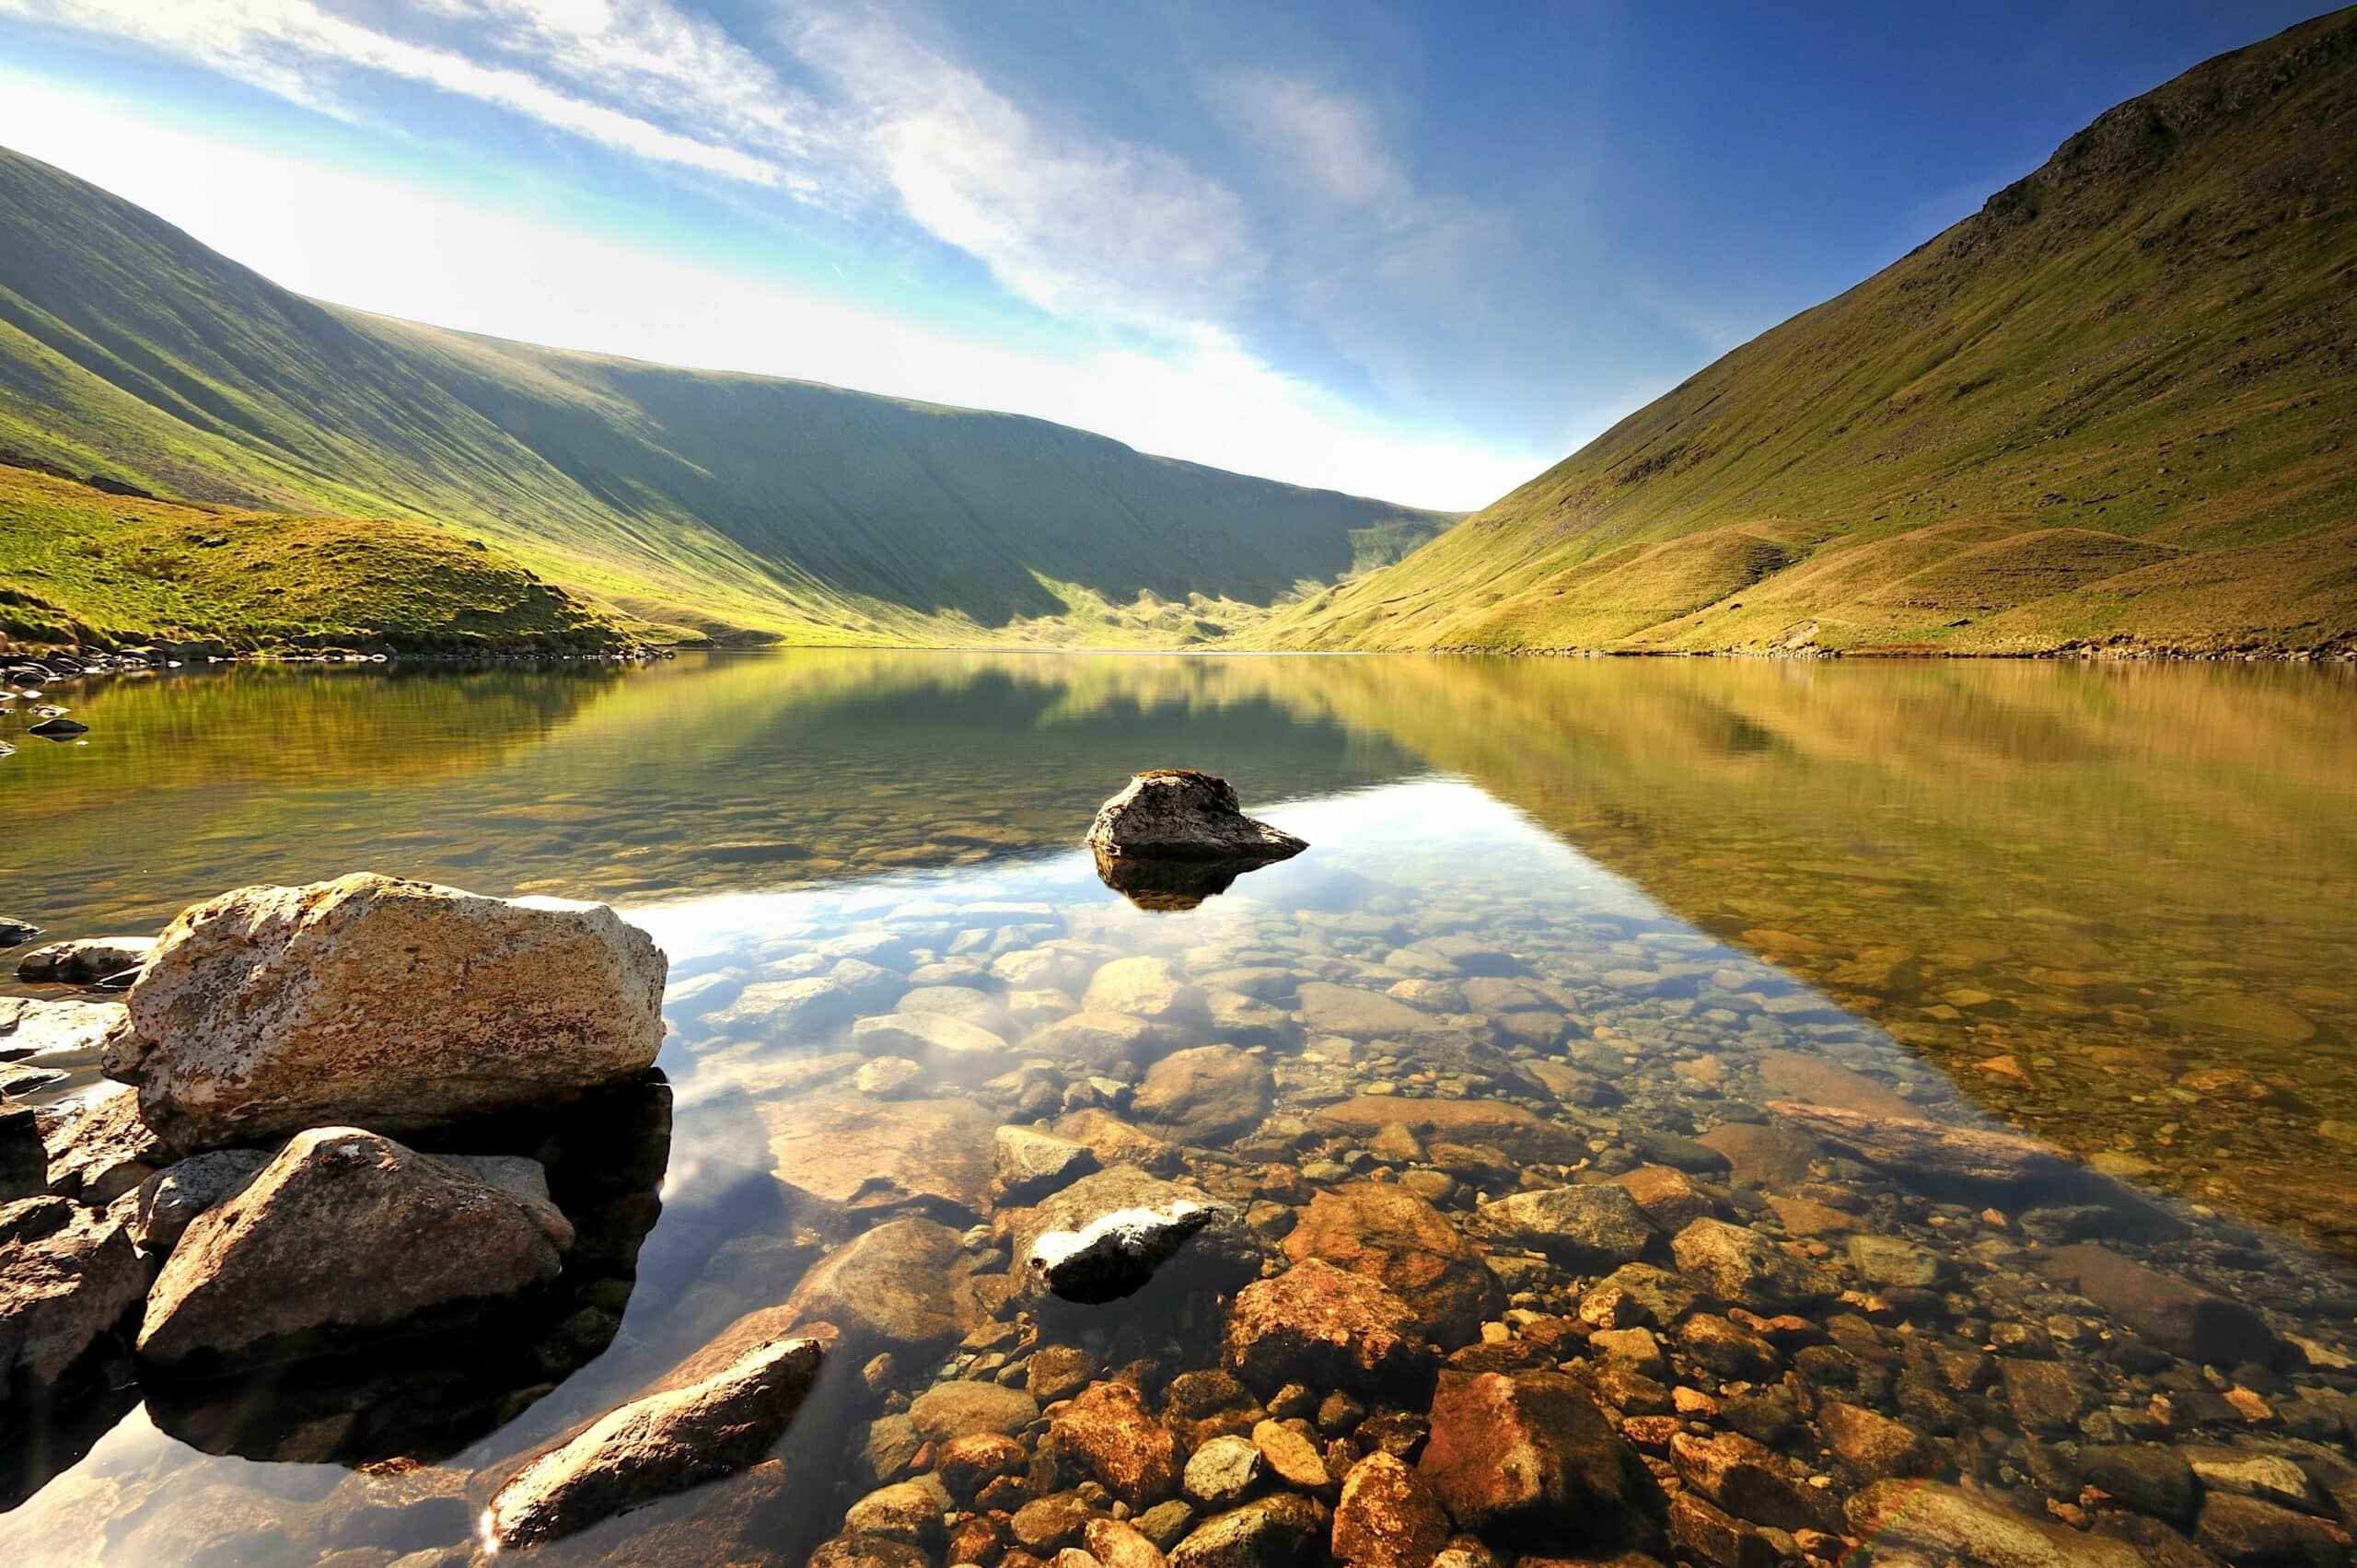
(1695, 928)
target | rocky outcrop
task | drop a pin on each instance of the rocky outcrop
(67, 1275)
(343, 1234)
(388, 1003)
(661, 1442)
(97, 1147)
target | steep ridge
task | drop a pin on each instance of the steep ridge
(2116, 407)
(723, 502)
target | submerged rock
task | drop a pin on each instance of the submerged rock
(1381, 1229)
(1592, 1227)
(1934, 1152)
(1322, 1326)
(1180, 814)
(657, 1445)
(345, 1231)
(1106, 1235)
(67, 1274)
(895, 1288)
(1739, 1265)
(1526, 1456)
(852, 1155)
(2180, 1317)
(1108, 1427)
(381, 1002)
(1207, 1094)
(1032, 1164)
(1950, 1524)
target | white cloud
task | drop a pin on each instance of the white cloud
(435, 257)
(1325, 139)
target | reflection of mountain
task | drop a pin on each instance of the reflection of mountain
(701, 775)
(2115, 900)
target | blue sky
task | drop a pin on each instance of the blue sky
(1415, 250)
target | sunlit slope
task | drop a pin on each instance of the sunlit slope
(709, 501)
(2115, 406)
(78, 566)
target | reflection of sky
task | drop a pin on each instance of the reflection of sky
(1437, 854)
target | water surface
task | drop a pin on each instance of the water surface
(2112, 906)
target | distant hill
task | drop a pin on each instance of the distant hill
(2117, 407)
(721, 503)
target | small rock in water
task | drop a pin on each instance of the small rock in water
(1104, 1237)
(1175, 837)
(16, 933)
(83, 962)
(60, 728)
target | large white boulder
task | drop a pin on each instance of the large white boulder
(384, 1003)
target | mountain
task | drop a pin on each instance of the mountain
(2115, 408)
(723, 504)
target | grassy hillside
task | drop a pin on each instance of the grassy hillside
(2117, 406)
(714, 503)
(79, 565)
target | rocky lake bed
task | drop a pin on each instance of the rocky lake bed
(1431, 1195)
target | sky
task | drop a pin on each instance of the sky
(1418, 251)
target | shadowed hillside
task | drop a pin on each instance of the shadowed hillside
(2113, 407)
(707, 502)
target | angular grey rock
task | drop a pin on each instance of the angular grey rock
(174, 1196)
(1105, 1235)
(657, 1445)
(67, 1274)
(385, 1003)
(345, 1231)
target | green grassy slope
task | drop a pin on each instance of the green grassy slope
(2117, 406)
(709, 501)
(79, 565)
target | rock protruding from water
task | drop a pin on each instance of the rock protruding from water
(1105, 1235)
(1175, 836)
(345, 1233)
(380, 1002)
(661, 1442)
(87, 960)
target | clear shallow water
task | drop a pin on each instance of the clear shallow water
(1636, 901)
